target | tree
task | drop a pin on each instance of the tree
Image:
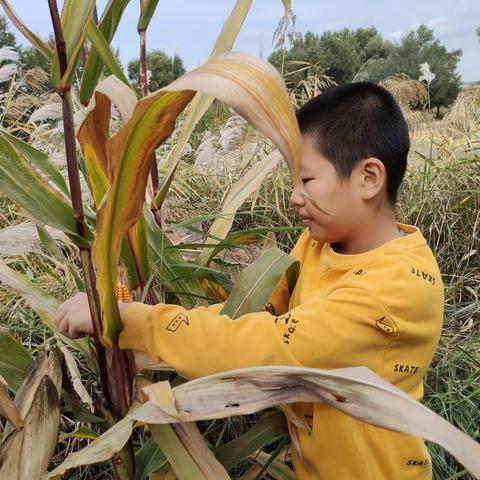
(7, 38)
(339, 55)
(29, 57)
(420, 46)
(163, 70)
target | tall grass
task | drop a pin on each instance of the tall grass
(443, 200)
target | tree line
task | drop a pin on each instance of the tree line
(363, 54)
(345, 55)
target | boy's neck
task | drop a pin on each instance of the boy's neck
(369, 235)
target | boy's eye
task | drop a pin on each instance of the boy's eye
(305, 180)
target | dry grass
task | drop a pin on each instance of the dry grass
(407, 91)
(441, 195)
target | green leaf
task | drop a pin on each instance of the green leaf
(148, 9)
(81, 412)
(168, 264)
(271, 427)
(255, 284)
(37, 158)
(276, 468)
(84, 433)
(287, 5)
(93, 68)
(148, 459)
(14, 358)
(187, 452)
(100, 44)
(36, 41)
(32, 193)
(76, 17)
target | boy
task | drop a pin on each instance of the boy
(369, 292)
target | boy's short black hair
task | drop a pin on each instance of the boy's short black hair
(355, 121)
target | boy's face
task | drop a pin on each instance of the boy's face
(340, 200)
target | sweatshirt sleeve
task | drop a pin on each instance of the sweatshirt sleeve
(340, 330)
(279, 299)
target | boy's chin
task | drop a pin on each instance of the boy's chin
(316, 232)
(319, 234)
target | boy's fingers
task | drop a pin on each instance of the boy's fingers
(73, 333)
(63, 326)
(59, 314)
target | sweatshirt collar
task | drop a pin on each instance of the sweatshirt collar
(412, 239)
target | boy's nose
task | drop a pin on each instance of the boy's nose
(296, 198)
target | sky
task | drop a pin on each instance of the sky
(189, 27)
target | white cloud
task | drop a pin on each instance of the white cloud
(333, 26)
(440, 25)
(395, 36)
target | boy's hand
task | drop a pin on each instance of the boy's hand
(73, 317)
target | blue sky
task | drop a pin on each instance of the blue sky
(189, 27)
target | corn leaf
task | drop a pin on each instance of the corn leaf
(111, 442)
(187, 453)
(75, 377)
(93, 132)
(38, 402)
(100, 44)
(255, 89)
(131, 149)
(255, 284)
(148, 459)
(8, 410)
(202, 101)
(277, 469)
(251, 86)
(32, 193)
(170, 267)
(237, 195)
(92, 136)
(36, 41)
(37, 158)
(14, 358)
(76, 18)
(357, 391)
(108, 25)
(148, 9)
(271, 427)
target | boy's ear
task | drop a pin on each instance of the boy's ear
(373, 177)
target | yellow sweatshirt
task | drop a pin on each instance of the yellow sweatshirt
(382, 309)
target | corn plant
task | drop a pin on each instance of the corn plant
(122, 228)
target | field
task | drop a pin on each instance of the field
(440, 195)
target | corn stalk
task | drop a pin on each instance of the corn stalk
(147, 8)
(116, 386)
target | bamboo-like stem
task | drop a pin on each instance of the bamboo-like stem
(76, 194)
(116, 387)
(144, 89)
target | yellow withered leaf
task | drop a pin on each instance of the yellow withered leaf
(8, 409)
(251, 86)
(357, 392)
(26, 453)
